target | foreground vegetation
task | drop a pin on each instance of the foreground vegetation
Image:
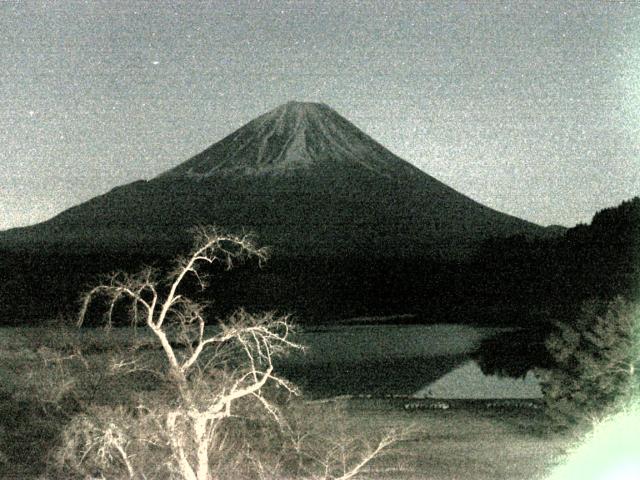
(49, 373)
(465, 441)
(176, 400)
(597, 364)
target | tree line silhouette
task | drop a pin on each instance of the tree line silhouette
(549, 281)
(517, 281)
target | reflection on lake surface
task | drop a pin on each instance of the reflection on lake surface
(346, 359)
(379, 359)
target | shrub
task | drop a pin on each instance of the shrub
(596, 363)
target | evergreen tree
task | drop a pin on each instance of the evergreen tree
(596, 362)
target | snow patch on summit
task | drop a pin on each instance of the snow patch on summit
(290, 138)
(289, 122)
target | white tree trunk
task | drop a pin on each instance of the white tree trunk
(175, 437)
(200, 430)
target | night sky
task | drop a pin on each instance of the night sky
(530, 108)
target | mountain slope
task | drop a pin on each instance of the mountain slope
(302, 177)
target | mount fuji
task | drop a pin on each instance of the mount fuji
(304, 179)
(353, 229)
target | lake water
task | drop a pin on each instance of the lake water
(379, 359)
(358, 359)
(359, 342)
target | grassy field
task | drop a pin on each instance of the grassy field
(464, 442)
(467, 441)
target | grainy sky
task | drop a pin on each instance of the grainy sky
(532, 108)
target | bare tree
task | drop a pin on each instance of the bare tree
(162, 307)
(327, 447)
(211, 374)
